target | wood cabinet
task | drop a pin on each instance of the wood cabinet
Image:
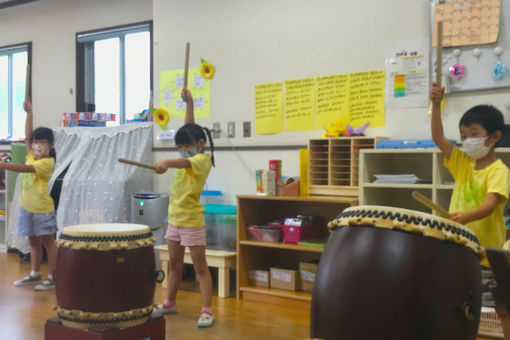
(251, 255)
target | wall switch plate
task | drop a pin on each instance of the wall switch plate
(247, 129)
(231, 129)
(216, 130)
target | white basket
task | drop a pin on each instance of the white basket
(490, 324)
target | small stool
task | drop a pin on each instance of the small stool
(223, 260)
(154, 329)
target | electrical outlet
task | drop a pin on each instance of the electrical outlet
(247, 129)
(231, 129)
(216, 130)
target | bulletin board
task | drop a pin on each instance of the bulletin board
(478, 69)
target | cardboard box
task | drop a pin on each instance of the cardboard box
(307, 271)
(259, 278)
(284, 279)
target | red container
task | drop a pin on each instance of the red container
(303, 228)
(276, 166)
(266, 233)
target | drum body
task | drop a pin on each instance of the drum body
(397, 277)
(105, 275)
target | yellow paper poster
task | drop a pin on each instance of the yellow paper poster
(269, 108)
(170, 87)
(367, 98)
(332, 98)
(300, 104)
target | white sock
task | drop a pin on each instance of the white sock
(50, 277)
(33, 273)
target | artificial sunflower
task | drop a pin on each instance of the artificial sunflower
(161, 117)
(207, 69)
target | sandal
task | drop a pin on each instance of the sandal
(205, 320)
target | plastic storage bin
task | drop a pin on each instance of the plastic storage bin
(221, 226)
(271, 232)
(211, 197)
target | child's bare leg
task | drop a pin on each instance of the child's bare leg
(175, 264)
(203, 273)
(35, 253)
(505, 320)
(51, 249)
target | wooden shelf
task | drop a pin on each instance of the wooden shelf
(277, 292)
(398, 185)
(251, 255)
(331, 199)
(445, 186)
(280, 246)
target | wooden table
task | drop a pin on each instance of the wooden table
(223, 260)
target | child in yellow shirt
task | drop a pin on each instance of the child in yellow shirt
(481, 184)
(37, 217)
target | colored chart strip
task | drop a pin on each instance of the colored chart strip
(400, 85)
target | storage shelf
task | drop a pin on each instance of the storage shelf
(331, 199)
(398, 185)
(280, 246)
(445, 186)
(277, 292)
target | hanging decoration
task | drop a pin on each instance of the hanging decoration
(206, 69)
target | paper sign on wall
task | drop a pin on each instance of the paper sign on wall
(170, 87)
(269, 108)
(332, 98)
(367, 98)
(300, 104)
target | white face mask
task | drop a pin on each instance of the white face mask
(475, 147)
(190, 153)
(40, 149)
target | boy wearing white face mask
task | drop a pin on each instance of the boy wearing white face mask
(481, 183)
(37, 217)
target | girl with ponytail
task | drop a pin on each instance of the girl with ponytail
(186, 223)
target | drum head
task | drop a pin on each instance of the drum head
(106, 229)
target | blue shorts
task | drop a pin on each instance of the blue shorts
(31, 224)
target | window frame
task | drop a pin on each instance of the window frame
(85, 62)
(9, 50)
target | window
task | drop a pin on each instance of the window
(13, 68)
(114, 70)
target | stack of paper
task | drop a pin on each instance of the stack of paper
(406, 178)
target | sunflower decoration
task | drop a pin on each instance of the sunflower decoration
(206, 69)
(161, 117)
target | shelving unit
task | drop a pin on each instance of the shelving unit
(333, 167)
(425, 163)
(254, 209)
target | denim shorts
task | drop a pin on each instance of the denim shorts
(31, 224)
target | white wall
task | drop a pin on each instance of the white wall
(51, 25)
(265, 41)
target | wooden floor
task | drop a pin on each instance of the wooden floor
(24, 311)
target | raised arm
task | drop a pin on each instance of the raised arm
(436, 125)
(29, 124)
(190, 117)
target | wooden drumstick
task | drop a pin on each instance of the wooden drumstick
(431, 205)
(439, 58)
(186, 68)
(27, 84)
(142, 165)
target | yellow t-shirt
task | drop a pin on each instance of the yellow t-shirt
(185, 209)
(471, 187)
(34, 196)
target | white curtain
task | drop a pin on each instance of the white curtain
(96, 188)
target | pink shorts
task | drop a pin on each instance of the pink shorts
(186, 236)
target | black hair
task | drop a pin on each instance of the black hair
(42, 133)
(192, 133)
(486, 115)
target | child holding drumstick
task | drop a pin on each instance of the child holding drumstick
(37, 217)
(186, 224)
(481, 184)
